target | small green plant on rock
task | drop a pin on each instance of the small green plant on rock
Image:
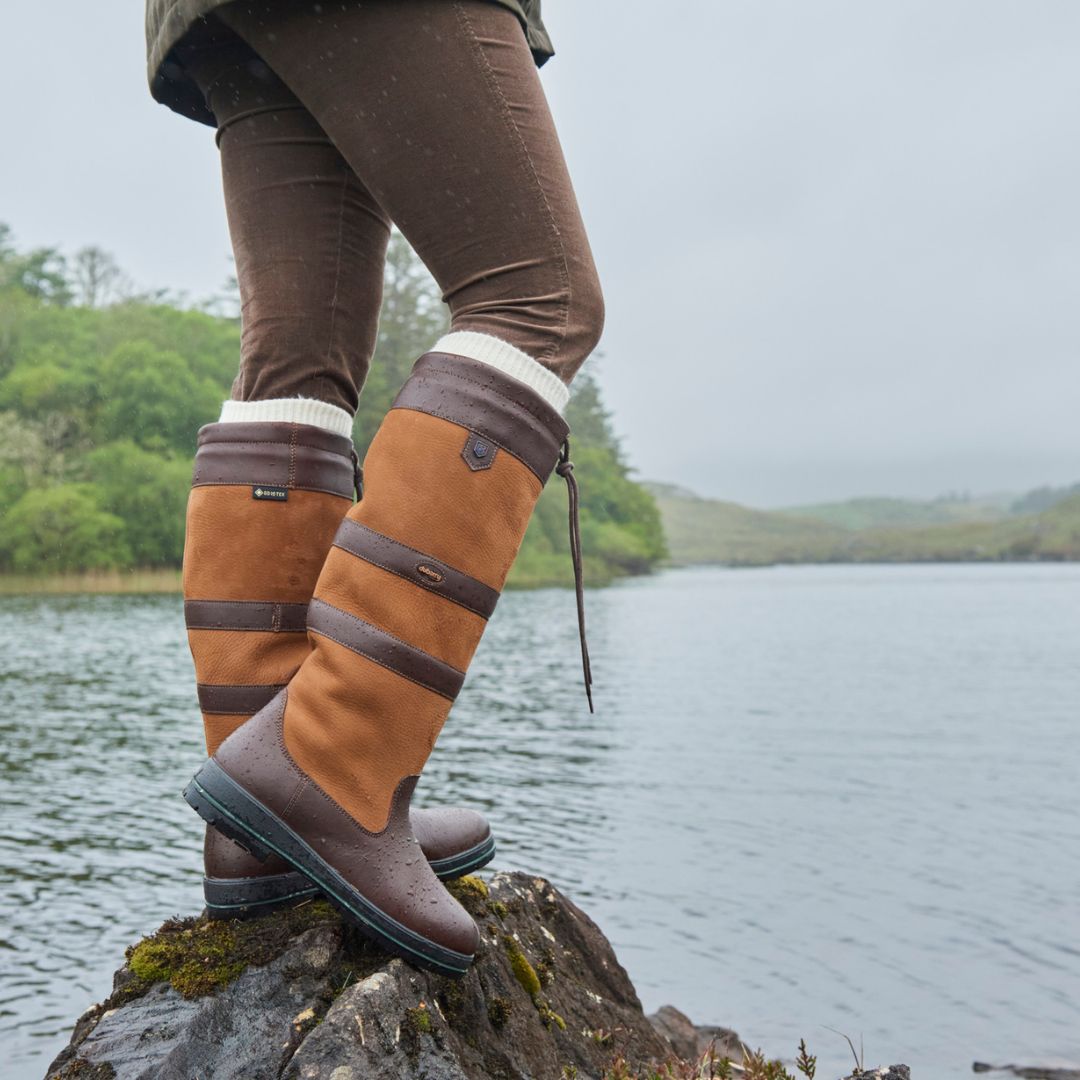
(523, 971)
(471, 892)
(530, 982)
(453, 1000)
(549, 1017)
(498, 1011)
(81, 1069)
(755, 1066)
(418, 1020)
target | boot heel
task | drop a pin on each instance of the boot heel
(213, 815)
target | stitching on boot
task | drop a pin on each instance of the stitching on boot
(525, 406)
(295, 795)
(380, 663)
(306, 781)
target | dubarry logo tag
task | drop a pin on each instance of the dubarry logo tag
(268, 491)
(478, 452)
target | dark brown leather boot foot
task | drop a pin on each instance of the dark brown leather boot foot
(254, 792)
(455, 841)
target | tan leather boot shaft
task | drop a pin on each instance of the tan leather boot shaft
(266, 500)
(452, 477)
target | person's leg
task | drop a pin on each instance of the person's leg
(438, 108)
(436, 104)
(274, 480)
(308, 237)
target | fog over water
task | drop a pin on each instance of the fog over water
(840, 241)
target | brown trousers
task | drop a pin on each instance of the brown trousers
(336, 120)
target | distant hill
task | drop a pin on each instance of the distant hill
(1043, 498)
(869, 513)
(712, 531)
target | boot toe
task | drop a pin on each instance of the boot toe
(444, 832)
(459, 931)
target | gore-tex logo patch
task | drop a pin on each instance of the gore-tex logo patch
(269, 492)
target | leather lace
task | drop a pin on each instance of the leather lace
(565, 469)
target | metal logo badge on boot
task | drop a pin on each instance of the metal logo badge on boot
(479, 452)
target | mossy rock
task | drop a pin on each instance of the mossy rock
(306, 992)
(418, 1020)
(197, 956)
(471, 893)
(452, 997)
(523, 971)
(498, 1010)
(80, 1069)
(549, 1017)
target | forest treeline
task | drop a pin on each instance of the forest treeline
(102, 392)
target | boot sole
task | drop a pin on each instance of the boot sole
(251, 898)
(464, 862)
(221, 802)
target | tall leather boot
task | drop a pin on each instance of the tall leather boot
(266, 501)
(323, 775)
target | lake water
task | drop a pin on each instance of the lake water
(810, 798)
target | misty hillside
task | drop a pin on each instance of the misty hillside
(712, 531)
(877, 512)
(702, 530)
(868, 513)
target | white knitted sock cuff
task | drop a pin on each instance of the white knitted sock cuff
(295, 410)
(510, 361)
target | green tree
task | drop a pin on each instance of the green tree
(148, 494)
(153, 398)
(413, 317)
(96, 279)
(621, 531)
(41, 273)
(61, 528)
(100, 402)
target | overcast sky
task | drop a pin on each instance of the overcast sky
(840, 240)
